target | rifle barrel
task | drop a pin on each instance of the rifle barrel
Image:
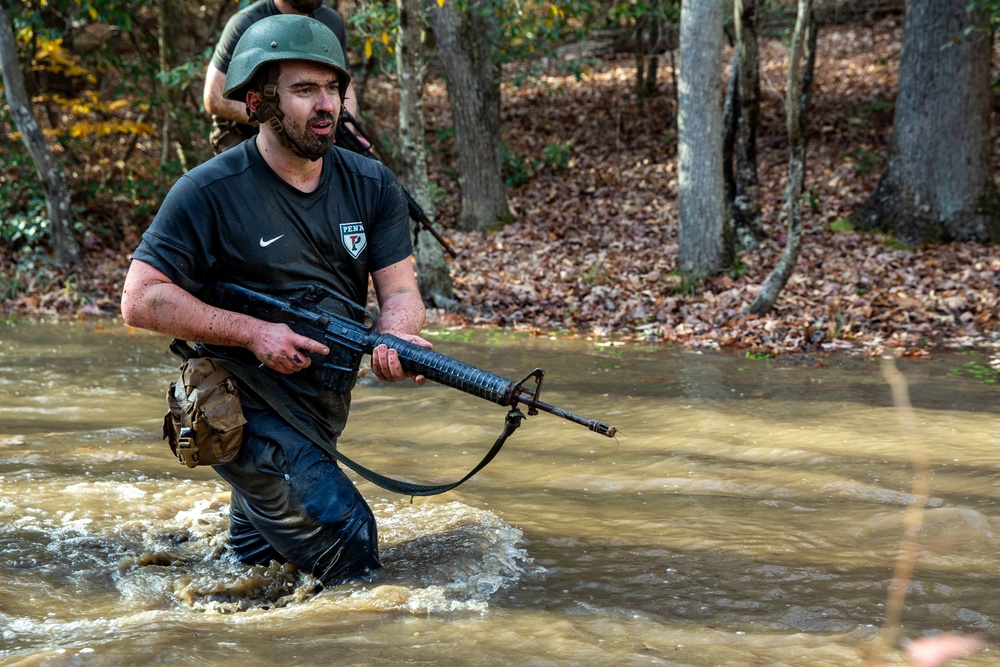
(475, 381)
(594, 425)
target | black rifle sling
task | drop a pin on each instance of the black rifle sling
(260, 386)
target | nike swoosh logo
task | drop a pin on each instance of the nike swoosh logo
(264, 244)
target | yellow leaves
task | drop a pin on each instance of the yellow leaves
(88, 103)
(557, 14)
(104, 128)
(50, 56)
(384, 37)
(86, 129)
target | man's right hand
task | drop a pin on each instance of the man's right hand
(279, 348)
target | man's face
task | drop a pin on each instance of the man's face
(310, 98)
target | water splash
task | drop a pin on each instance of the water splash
(437, 557)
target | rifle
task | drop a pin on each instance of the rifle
(350, 339)
(347, 139)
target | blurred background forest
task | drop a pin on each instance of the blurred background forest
(589, 233)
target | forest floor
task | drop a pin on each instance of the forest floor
(593, 248)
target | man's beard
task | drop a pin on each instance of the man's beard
(308, 143)
(306, 6)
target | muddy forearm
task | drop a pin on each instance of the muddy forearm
(167, 309)
(402, 313)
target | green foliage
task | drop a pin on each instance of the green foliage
(991, 10)
(643, 10)
(985, 374)
(579, 66)
(841, 225)
(24, 228)
(24, 219)
(32, 267)
(373, 33)
(437, 193)
(865, 161)
(556, 156)
(518, 170)
(10, 285)
(811, 199)
(737, 269)
(866, 109)
(891, 242)
(189, 73)
(531, 28)
(687, 283)
(443, 134)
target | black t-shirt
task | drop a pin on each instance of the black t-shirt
(243, 19)
(233, 219)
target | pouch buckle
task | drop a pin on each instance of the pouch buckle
(187, 453)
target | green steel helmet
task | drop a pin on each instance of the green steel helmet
(283, 37)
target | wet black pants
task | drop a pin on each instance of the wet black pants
(291, 502)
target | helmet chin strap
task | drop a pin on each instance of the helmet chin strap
(268, 112)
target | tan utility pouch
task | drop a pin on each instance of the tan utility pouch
(204, 423)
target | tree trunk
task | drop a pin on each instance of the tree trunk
(747, 224)
(464, 39)
(705, 244)
(50, 171)
(795, 94)
(168, 18)
(433, 277)
(730, 124)
(938, 182)
(648, 27)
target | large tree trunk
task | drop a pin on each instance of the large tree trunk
(705, 244)
(796, 103)
(938, 182)
(50, 171)
(433, 277)
(464, 39)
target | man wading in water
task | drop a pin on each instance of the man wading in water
(283, 210)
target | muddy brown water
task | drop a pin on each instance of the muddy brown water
(750, 513)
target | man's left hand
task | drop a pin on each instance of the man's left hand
(386, 364)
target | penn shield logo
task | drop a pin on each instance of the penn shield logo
(353, 236)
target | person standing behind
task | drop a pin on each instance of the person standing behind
(282, 211)
(229, 117)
